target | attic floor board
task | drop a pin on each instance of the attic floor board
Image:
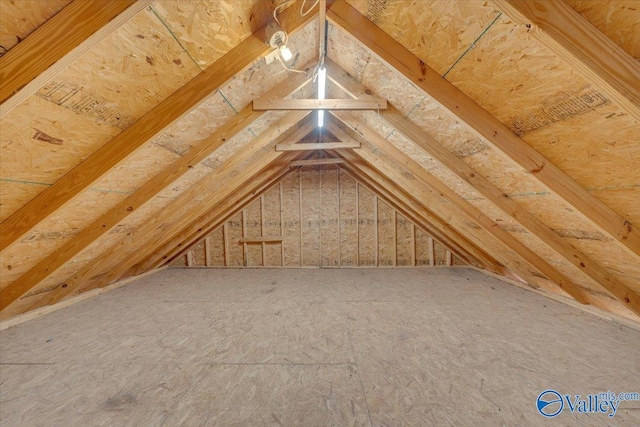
(313, 347)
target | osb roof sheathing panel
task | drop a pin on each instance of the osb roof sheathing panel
(156, 155)
(498, 169)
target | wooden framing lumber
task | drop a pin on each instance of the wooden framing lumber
(57, 43)
(509, 206)
(383, 146)
(418, 198)
(398, 206)
(208, 222)
(484, 124)
(416, 210)
(144, 235)
(316, 162)
(185, 236)
(418, 214)
(316, 146)
(261, 240)
(16, 289)
(200, 151)
(167, 112)
(319, 104)
(582, 46)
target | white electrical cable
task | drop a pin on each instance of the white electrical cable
(287, 68)
(308, 10)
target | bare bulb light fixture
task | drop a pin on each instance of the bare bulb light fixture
(277, 38)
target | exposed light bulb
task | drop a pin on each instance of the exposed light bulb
(322, 85)
(285, 52)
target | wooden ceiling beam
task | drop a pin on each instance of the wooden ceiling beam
(319, 104)
(382, 146)
(483, 124)
(148, 126)
(316, 162)
(57, 43)
(509, 206)
(200, 151)
(582, 46)
(16, 289)
(317, 146)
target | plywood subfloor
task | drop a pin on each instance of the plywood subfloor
(313, 347)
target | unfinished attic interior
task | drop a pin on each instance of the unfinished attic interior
(310, 213)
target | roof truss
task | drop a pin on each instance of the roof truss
(483, 124)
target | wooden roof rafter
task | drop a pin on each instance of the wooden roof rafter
(175, 211)
(484, 124)
(168, 251)
(509, 206)
(407, 205)
(10, 294)
(581, 45)
(474, 214)
(151, 124)
(377, 172)
(102, 225)
(76, 29)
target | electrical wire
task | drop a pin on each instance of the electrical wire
(287, 68)
(308, 10)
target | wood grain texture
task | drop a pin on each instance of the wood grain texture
(413, 206)
(319, 104)
(454, 164)
(577, 42)
(459, 245)
(484, 124)
(75, 30)
(472, 212)
(316, 162)
(164, 114)
(150, 189)
(224, 198)
(261, 240)
(206, 185)
(311, 146)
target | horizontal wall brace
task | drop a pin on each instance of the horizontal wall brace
(261, 240)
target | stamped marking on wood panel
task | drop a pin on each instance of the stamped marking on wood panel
(581, 103)
(81, 101)
(41, 136)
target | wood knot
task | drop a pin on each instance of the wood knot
(538, 169)
(129, 208)
(423, 68)
(367, 91)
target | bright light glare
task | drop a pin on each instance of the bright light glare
(322, 83)
(286, 53)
